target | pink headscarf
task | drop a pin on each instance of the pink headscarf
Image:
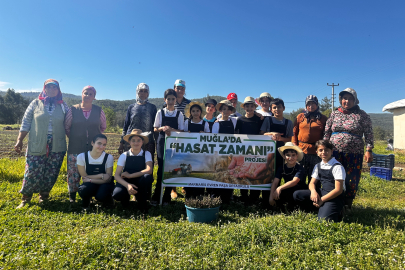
(49, 100)
(89, 87)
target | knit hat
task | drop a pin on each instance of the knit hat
(350, 91)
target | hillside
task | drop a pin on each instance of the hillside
(384, 120)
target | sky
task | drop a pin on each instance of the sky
(290, 49)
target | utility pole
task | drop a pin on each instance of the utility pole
(333, 94)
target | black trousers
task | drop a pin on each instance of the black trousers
(102, 192)
(310, 160)
(193, 192)
(144, 185)
(167, 190)
(329, 211)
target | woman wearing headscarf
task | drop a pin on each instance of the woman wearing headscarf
(44, 121)
(309, 128)
(140, 115)
(345, 129)
(83, 122)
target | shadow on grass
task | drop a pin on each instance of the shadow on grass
(382, 218)
(173, 212)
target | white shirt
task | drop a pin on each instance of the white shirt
(264, 113)
(123, 158)
(81, 160)
(158, 118)
(215, 127)
(235, 114)
(206, 126)
(338, 171)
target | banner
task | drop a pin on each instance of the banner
(208, 160)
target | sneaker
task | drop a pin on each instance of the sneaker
(22, 204)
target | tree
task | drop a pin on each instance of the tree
(12, 107)
(325, 104)
(293, 114)
(110, 117)
(379, 133)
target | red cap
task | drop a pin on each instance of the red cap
(232, 96)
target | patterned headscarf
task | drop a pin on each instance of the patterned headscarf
(315, 113)
(140, 87)
(49, 100)
(89, 87)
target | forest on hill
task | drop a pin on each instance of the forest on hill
(118, 108)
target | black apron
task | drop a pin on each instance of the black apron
(226, 127)
(166, 121)
(251, 126)
(134, 164)
(328, 182)
(280, 129)
(93, 169)
(192, 127)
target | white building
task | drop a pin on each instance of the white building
(398, 109)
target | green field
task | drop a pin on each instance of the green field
(57, 235)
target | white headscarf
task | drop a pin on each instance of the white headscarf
(139, 87)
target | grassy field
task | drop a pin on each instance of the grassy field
(57, 235)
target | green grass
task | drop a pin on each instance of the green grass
(379, 148)
(57, 235)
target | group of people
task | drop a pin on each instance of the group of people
(319, 159)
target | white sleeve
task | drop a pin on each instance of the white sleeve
(122, 160)
(234, 120)
(315, 172)
(215, 128)
(81, 160)
(110, 161)
(185, 125)
(148, 157)
(339, 172)
(180, 121)
(207, 128)
(157, 119)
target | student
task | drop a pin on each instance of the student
(250, 124)
(167, 120)
(134, 173)
(292, 173)
(95, 167)
(194, 123)
(264, 102)
(233, 99)
(226, 125)
(194, 118)
(331, 174)
(280, 129)
(210, 110)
